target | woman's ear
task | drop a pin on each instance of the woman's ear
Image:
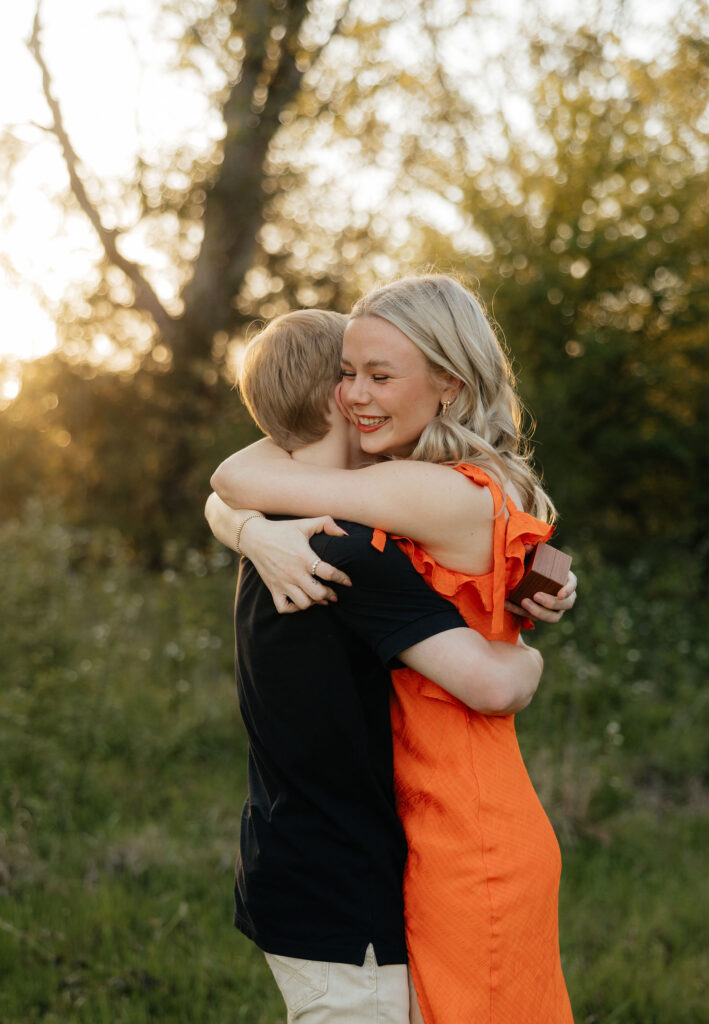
(451, 387)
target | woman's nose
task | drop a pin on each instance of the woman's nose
(357, 392)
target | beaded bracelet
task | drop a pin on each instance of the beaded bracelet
(251, 515)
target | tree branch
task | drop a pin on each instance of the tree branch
(286, 81)
(335, 31)
(234, 210)
(145, 297)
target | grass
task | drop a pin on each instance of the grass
(633, 923)
(122, 774)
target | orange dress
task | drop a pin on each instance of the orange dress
(482, 876)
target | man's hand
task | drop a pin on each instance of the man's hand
(547, 607)
(531, 675)
(285, 561)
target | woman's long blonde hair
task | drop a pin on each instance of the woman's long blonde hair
(483, 425)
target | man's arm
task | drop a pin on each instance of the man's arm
(403, 620)
(490, 676)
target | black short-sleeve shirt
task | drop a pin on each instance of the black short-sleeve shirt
(322, 851)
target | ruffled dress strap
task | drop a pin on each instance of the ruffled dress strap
(512, 531)
(499, 540)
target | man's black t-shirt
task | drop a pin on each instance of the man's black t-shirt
(322, 851)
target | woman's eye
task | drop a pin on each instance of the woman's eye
(347, 374)
(379, 377)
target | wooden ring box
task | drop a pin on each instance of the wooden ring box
(546, 569)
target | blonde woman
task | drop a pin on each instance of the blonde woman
(426, 383)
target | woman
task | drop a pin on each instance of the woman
(426, 382)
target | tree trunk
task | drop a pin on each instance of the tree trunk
(234, 208)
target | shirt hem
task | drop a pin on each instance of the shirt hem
(340, 951)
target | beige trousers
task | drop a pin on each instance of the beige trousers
(317, 992)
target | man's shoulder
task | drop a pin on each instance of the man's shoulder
(354, 548)
(356, 555)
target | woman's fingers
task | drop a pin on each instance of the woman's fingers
(540, 614)
(315, 589)
(292, 571)
(299, 598)
(550, 607)
(534, 609)
(556, 603)
(298, 589)
(294, 598)
(284, 605)
(543, 608)
(325, 571)
(568, 591)
(323, 524)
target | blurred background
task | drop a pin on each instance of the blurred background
(170, 173)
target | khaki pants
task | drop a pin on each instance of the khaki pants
(317, 992)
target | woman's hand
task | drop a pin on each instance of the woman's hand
(547, 607)
(284, 560)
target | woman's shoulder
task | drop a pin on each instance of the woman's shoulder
(475, 473)
(503, 491)
(445, 486)
(485, 478)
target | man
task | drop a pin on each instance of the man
(318, 883)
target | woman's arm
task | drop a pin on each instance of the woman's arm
(280, 553)
(491, 677)
(430, 503)
(227, 524)
(436, 507)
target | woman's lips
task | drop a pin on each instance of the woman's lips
(368, 424)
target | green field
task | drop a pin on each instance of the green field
(122, 767)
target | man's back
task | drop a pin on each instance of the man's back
(322, 851)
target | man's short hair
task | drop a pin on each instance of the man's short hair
(288, 375)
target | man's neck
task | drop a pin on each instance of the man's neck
(333, 451)
(339, 449)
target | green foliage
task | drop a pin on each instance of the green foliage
(123, 769)
(621, 716)
(596, 223)
(122, 774)
(586, 232)
(134, 453)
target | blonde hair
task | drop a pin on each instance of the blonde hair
(484, 422)
(288, 375)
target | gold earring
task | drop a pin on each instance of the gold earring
(445, 406)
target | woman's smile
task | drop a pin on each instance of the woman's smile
(367, 424)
